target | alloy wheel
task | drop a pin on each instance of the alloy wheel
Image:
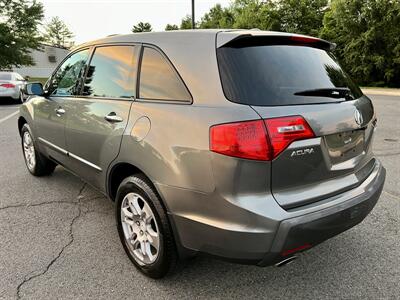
(140, 229)
(29, 151)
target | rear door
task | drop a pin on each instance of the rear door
(97, 119)
(282, 76)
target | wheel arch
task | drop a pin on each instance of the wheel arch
(21, 122)
(121, 170)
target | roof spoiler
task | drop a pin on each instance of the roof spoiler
(256, 39)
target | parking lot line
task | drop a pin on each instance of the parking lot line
(9, 116)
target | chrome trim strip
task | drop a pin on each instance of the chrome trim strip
(85, 161)
(51, 145)
(61, 150)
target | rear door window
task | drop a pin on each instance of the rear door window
(111, 73)
(271, 75)
(159, 80)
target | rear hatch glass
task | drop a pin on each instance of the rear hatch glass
(274, 71)
(5, 76)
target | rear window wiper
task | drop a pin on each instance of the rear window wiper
(328, 92)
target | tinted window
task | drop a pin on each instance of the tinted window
(66, 81)
(111, 73)
(283, 75)
(159, 80)
(5, 76)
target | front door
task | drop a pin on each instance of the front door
(96, 121)
(50, 113)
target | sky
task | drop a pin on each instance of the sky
(92, 19)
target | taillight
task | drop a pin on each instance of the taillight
(283, 131)
(8, 85)
(242, 139)
(258, 140)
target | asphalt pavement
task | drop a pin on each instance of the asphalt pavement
(58, 240)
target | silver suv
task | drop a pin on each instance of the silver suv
(246, 145)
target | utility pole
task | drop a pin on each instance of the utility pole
(193, 22)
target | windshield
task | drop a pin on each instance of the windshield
(271, 75)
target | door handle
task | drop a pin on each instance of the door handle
(113, 118)
(60, 111)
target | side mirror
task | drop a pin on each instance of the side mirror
(34, 88)
(27, 78)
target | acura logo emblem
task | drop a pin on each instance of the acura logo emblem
(358, 117)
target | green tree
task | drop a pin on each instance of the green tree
(186, 23)
(367, 33)
(19, 21)
(298, 16)
(217, 17)
(58, 34)
(142, 27)
(248, 14)
(171, 27)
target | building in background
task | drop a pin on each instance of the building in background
(45, 60)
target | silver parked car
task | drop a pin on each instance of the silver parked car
(11, 86)
(246, 145)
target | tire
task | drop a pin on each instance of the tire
(138, 187)
(36, 163)
(21, 98)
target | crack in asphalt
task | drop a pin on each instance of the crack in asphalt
(27, 205)
(71, 235)
(37, 204)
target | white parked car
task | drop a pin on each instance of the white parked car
(11, 86)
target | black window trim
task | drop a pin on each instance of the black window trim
(90, 48)
(163, 101)
(136, 55)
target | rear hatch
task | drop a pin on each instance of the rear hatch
(280, 76)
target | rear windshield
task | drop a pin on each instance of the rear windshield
(271, 75)
(5, 76)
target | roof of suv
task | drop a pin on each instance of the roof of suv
(189, 36)
(193, 53)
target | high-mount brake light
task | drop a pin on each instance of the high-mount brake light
(304, 39)
(260, 139)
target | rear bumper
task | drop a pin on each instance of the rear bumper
(10, 93)
(311, 229)
(256, 230)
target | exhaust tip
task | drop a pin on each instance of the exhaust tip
(286, 261)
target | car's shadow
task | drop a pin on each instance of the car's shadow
(8, 102)
(314, 273)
